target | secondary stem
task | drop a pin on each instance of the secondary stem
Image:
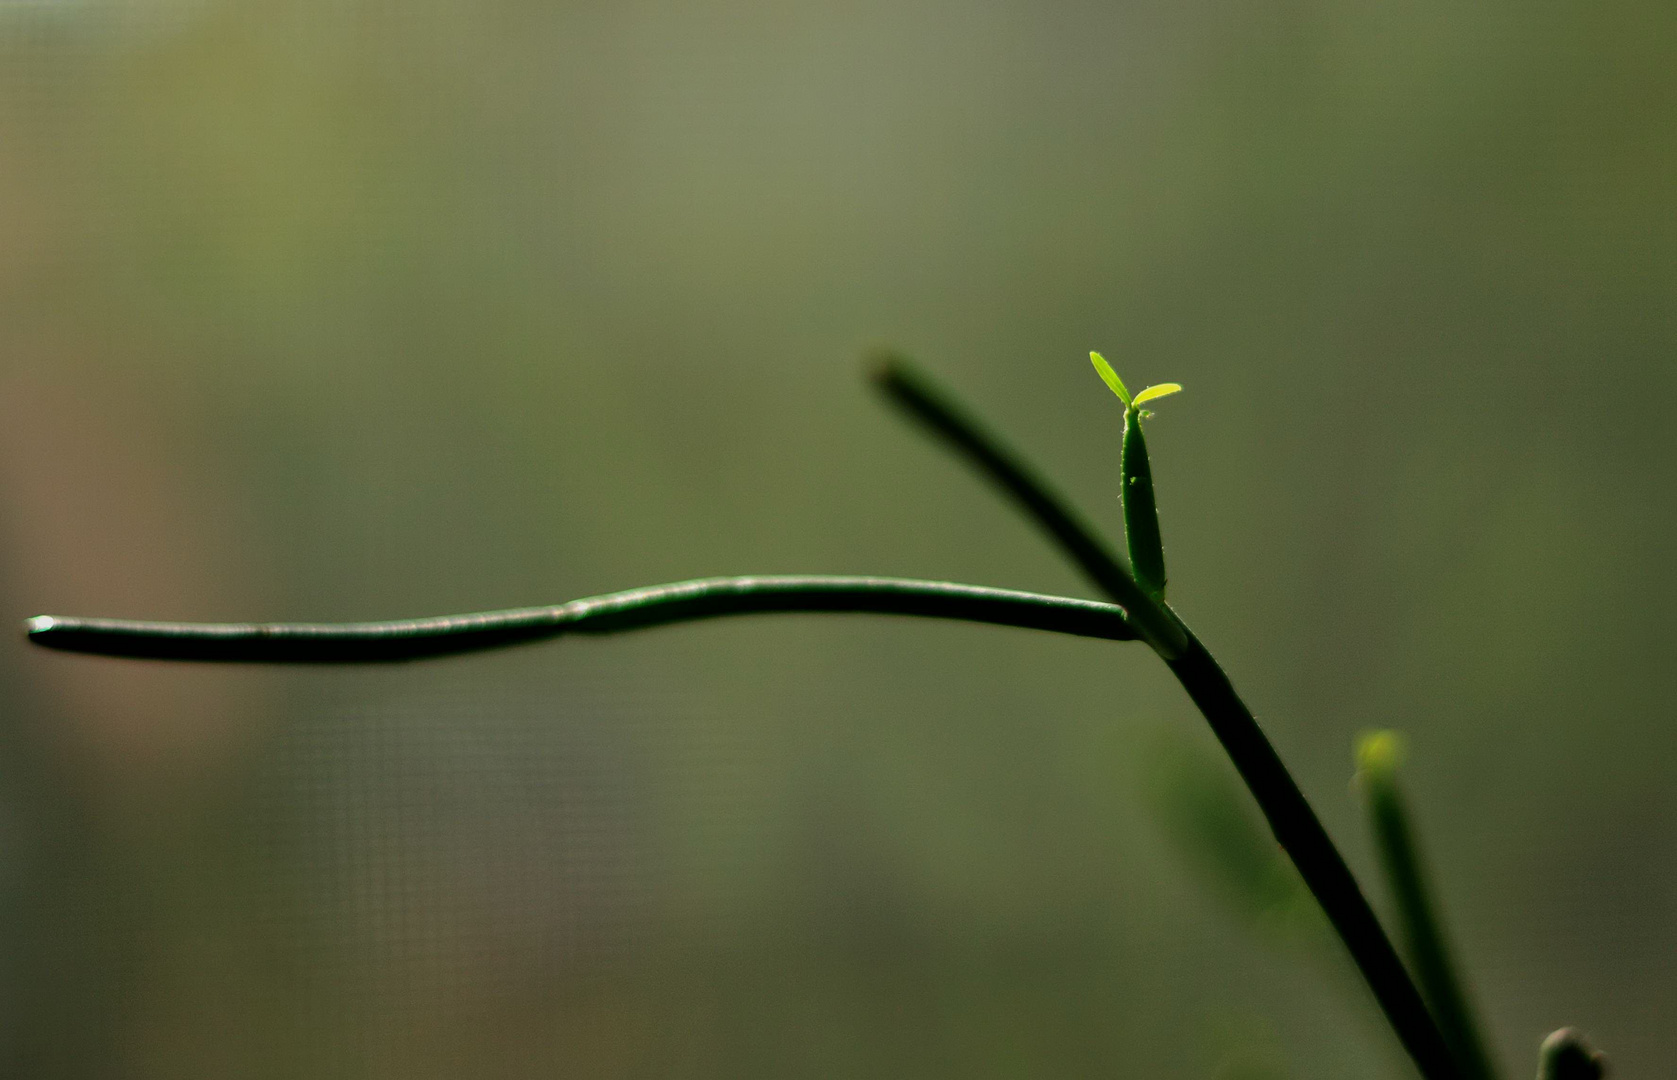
(1417, 912)
(1319, 862)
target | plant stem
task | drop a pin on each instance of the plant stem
(1289, 814)
(1284, 806)
(341, 643)
(1378, 759)
(923, 401)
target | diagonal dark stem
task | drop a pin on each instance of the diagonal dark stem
(1289, 814)
(350, 643)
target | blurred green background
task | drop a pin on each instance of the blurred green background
(325, 309)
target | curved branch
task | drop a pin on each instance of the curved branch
(416, 639)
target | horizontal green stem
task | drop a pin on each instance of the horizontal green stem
(414, 639)
(1284, 806)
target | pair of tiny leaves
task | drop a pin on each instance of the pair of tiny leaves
(1111, 378)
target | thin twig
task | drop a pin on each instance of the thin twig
(372, 642)
(1378, 758)
(1289, 814)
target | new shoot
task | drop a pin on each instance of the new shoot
(1141, 515)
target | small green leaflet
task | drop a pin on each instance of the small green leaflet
(1159, 391)
(1105, 371)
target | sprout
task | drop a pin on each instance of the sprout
(1141, 516)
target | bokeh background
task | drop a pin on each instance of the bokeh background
(336, 309)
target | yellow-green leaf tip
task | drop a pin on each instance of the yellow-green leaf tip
(1164, 389)
(1111, 378)
(1380, 752)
